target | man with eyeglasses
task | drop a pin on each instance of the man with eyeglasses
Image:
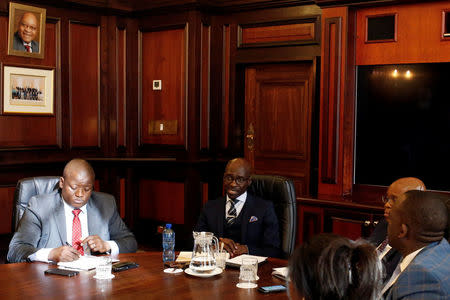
(25, 35)
(65, 224)
(389, 256)
(243, 222)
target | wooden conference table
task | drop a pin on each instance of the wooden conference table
(28, 281)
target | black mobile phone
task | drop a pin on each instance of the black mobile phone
(272, 289)
(125, 265)
(62, 272)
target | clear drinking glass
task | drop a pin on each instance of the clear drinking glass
(221, 259)
(103, 269)
(247, 275)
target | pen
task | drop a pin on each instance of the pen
(67, 243)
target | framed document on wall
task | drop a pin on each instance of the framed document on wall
(26, 35)
(28, 91)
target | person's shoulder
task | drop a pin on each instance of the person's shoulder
(433, 261)
(214, 202)
(261, 201)
(44, 201)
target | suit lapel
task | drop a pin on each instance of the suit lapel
(94, 218)
(246, 212)
(60, 219)
(221, 216)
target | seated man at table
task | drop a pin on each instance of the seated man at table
(243, 222)
(389, 256)
(416, 228)
(60, 226)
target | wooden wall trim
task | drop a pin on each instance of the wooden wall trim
(331, 99)
(226, 84)
(121, 86)
(205, 86)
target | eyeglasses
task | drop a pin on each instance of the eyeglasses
(386, 199)
(238, 179)
(29, 27)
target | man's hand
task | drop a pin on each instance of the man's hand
(96, 244)
(233, 248)
(63, 253)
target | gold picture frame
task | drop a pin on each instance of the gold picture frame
(28, 91)
(26, 35)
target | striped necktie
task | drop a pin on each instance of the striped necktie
(382, 246)
(232, 214)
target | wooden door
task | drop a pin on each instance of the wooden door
(278, 106)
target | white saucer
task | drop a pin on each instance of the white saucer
(173, 270)
(111, 276)
(214, 272)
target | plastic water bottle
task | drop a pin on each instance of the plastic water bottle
(168, 243)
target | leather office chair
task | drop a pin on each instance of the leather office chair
(29, 187)
(281, 192)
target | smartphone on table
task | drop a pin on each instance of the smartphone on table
(61, 272)
(272, 289)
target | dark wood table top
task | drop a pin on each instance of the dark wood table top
(28, 281)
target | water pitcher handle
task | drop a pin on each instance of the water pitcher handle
(216, 241)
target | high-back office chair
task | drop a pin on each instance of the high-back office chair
(27, 188)
(281, 192)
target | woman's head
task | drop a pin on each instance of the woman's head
(333, 267)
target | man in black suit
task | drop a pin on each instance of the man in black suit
(243, 222)
(389, 255)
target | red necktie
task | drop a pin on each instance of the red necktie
(76, 231)
(383, 245)
(28, 48)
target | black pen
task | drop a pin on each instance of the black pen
(67, 243)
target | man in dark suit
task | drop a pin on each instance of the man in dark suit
(243, 222)
(416, 228)
(63, 225)
(390, 257)
(25, 35)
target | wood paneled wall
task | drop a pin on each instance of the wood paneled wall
(84, 85)
(419, 35)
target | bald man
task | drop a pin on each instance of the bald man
(25, 35)
(70, 222)
(243, 222)
(389, 256)
(416, 226)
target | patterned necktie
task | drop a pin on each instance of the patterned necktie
(76, 231)
(28, 48)
(232, 214)
(383, 245)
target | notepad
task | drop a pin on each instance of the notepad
(281, 273)
(85, 263)
(237, 261)
(184, 256)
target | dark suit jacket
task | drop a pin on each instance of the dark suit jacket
(43, 225)
(427, 276)
(260, 236)
(18, 44)
(392, 258)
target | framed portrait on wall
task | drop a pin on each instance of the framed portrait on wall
(28, 91)
(26, 35)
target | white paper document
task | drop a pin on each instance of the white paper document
(237, 261)
(85, 262)
(184, 256)
(282, 273)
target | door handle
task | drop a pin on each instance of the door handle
(250, 137)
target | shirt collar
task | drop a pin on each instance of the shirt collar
(68, 208)
(408, 259)
(241, 198)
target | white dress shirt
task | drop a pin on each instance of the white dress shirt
(42, 254)
(404, 263)
(238, 205)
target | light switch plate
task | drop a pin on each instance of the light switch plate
(157, 85)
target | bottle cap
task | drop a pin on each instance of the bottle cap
(168, 226)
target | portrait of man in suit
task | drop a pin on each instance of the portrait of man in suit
(243, 222)
(26, 30)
